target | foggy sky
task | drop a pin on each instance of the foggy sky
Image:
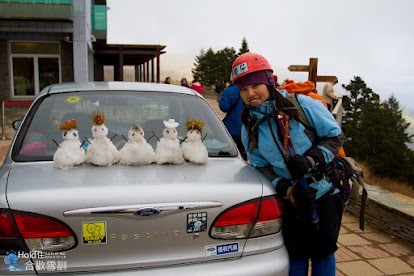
(370, 39)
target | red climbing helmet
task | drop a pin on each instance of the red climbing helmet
(248, 63)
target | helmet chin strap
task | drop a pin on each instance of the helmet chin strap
(274, 90)
(271, 81)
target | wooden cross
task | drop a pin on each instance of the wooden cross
(312, 69)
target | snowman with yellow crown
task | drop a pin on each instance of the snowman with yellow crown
(193, 148)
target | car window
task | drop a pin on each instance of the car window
(40, 134)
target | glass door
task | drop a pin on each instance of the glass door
(35, 65)
(23, 76)
(48, 71)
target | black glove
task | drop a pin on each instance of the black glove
(298, 166)
(282, 188)
(316, 158)
(304, 197)
(268, 172)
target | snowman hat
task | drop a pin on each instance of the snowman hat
(195, 124)
(171, 123)
(68, 125)
(98, 118)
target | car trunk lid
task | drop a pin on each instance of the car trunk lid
(130, 217)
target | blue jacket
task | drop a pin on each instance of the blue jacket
(330, 139)
(231, 97)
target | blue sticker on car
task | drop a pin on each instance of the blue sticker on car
(197, 222)
(221, 249)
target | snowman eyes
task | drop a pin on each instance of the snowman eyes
(168, 131)
(95, 129)
(74, 134)
(64, 134)
(133, 134)
(102, 128)
(174, 131)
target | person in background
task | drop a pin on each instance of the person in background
(275, 79)
(167, 80)
(219, 90)
(297, 162)
(329, 94)
(232, 104)
(184, 82)
(197, 86)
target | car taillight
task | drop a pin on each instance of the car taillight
(254, 218)
(39, 232)
(9, 238)
(7, 230)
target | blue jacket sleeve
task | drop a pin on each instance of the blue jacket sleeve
(229, 98)
(330, 134)
(225, 101)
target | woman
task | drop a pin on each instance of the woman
(167, 80)
(197, 86)
(279, 145)
(184, 82)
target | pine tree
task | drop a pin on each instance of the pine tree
(393, 156)
(199, 64)
(212, 67)
(377, 132)
(204, 66)
(360, 96)
(224, 59)
(244, 47)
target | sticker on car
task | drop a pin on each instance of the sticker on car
(94, 232)
(73, 99)
(221, 249)
(197, 222)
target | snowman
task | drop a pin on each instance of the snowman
(168, 149)
(193, 147)
(69, 153)
(137, 151)
(101, 151)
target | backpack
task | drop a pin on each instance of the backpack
(348, 173)
(305, 88)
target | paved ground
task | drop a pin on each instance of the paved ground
(368, 253)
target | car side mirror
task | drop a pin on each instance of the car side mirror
(16, 124)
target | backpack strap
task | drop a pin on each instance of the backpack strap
(358, 181)
(292, 97)
(354, 170)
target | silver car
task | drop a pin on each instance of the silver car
(220, 218)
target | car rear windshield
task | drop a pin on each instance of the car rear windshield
(40, 135)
